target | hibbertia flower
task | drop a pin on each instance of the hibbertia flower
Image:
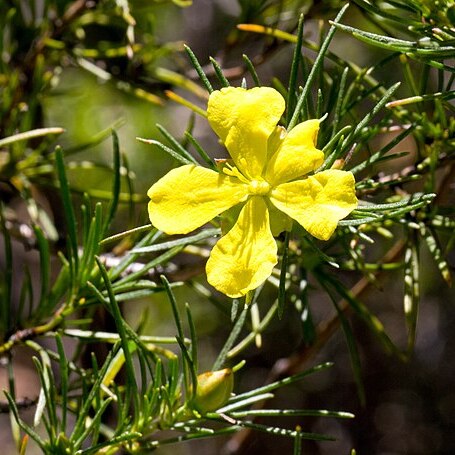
(271, 177)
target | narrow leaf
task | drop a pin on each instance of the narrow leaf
(205, 234)
(314, 70)
(197, 66)
(411, 287)
(115, 183)
(67, 207)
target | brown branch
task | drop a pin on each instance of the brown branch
(21, 403)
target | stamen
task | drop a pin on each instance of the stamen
(232, 171)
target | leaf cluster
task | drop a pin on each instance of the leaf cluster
(397, 139)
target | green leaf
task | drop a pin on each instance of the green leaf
(401, 9)
(251, 70)
(174, 307)
(87, 398)
(94, 424)
(411, 286)
(283, 275)
(46, 399)
(39, 132)
(284, 432)
(112, 442)
(422, 49)
(405, 206)
(250, 338)
(292, 87)
(357, 131)
(435, 250)
(173, 153)
(132, 389)
(113, 204)
(352, 346)
(291, 412)
(193, 337)
(24, 426)
(235, 332)
(341, 96)
(373, 323)
(121, 235)
(197, 66)
(385, 42)
(92, 245)
(175, 144)
(314, 70)
(278, 384)
(64, 384)
(129, 259)
(191, 239)
(67, 209)
(219, 73)
(202, 153)
(380, 153)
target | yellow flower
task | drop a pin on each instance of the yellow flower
(268, 177)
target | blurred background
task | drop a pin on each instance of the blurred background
(410, 405)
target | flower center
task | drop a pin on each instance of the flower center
(259, 187)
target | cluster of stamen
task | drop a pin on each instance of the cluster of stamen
(255, 187)
(232, 171)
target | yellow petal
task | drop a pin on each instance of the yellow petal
(244, 258)
(275, 140)
(279, 221)
(297, 154)
(244, 120)
(189, 196)
(319, 201)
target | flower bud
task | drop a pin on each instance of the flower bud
(213, 390)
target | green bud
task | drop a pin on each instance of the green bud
(213, 390)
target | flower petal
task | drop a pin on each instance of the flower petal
(244, 120)
(279, 221)
(244, 258)
(189, 196)
(319, 201)
(297, 154)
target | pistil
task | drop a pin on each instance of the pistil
(259, 187)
